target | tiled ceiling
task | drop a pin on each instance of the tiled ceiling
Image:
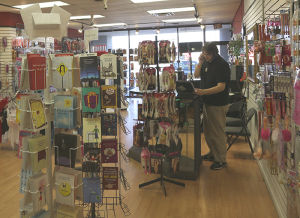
(136, 16)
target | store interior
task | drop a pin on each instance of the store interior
(99, 117)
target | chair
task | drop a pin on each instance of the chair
(233, 132)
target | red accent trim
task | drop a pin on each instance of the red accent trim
(73, 33)
(237, 22)
(8, 19)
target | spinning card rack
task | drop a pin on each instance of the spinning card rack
(163, 155)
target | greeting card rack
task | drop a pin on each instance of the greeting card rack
(102, 142)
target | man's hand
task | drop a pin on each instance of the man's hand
(201, 60)
(200, 91)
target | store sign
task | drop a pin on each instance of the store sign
(91, 34)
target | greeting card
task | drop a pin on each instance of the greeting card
(91, 99)
(109, 124)
(65, 149)
(37, 71)
(91, 130)
(110, 178)
(109, 151)
(62, 74)
(89, 74)
(108, 66)
(109, 96)
(92, 190)
(65, 111)
(38, 145)
(39, 191)
(37, 114)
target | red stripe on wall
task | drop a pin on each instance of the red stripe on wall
(8, 19)
(237, 23)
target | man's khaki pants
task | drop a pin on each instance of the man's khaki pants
(214, 122)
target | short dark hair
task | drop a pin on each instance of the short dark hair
(210, 48)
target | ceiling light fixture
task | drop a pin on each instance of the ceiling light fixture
(137, 32)
(171, 10)
(199, 19)
(83, 17)
(43, 4)
(179, 20)
(109, 24)
(147, 1)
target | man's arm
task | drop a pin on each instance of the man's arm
(213, 90)
(198, 66)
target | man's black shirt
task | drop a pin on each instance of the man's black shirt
(212, 73)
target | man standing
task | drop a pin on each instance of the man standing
(215, 76)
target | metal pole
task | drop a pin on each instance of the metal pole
(157, 64)
(178, 55)
(128, 56)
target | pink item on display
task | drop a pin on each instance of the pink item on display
(4, 42)
(286, 133)
(145, 160)
(296, 112)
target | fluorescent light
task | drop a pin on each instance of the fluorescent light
(179, 20)
(84, 17)
(171, 10)
(43, 5)
(109, 24)
(147, 1)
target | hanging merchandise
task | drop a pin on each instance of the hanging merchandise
(265, 136)
(286, 55)
(4, 43)
(146, 78)
(168, 79)
(147, 52)
(146, 160)
(296, 111)
(174, 53)
(285, 24)
(164, 133)
(165, 51)
(138, 134)
(62, 74)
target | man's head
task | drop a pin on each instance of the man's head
(210, 51)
